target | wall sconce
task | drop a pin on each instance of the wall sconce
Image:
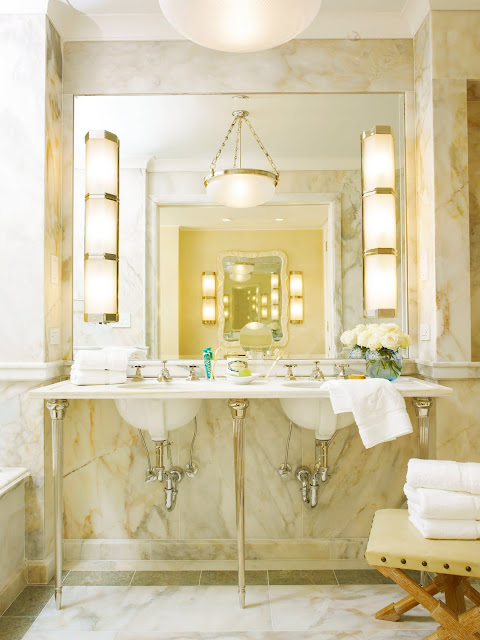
(379, 223)
(296, 297)
(209, 297)
(101, 227)
(275, 313)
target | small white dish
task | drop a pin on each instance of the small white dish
(243, 379)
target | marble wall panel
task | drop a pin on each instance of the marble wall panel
(452, 246)
(456, 47)
(53, 188)
(67, 228)
(22, 126)
(184, 67)
(474, 207)
(12, 517)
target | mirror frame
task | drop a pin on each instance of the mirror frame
(221, 286)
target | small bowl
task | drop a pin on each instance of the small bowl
(243, 379)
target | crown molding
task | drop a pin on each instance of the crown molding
(414, 13)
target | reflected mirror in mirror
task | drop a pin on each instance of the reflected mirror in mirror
(170, 233)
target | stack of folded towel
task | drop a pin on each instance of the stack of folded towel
(103, 366)
(444, 498)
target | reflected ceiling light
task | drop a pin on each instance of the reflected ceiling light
(239, 187)
(249, 25)
(226, 219)
(241, 268)
(279, 219)
(240, 277)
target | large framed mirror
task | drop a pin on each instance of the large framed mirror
(170, 234)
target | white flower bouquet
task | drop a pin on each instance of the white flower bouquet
(379, 345)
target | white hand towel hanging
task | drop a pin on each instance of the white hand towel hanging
(378, 408)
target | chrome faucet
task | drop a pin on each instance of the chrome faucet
(164, 373)
(138, 373)
(289, 375)
(192, 376)
(317, 373)
(342, 373)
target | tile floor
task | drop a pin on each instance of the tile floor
(203, 605)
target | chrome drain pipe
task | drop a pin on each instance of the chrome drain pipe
(310, 482)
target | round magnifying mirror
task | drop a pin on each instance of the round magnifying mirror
(256, 337)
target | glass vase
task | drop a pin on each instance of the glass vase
(357, 353)
(384, 364)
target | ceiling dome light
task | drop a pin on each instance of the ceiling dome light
(237, 187)
(246, 26)
(240, 277)
(241, 268)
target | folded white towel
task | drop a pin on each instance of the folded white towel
(378, 408)
(444, 474)
(446, 529)
(109, 358)
(82, 377)
(443, 505)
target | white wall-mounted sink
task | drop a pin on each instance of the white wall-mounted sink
(158, 416)
(314, 413)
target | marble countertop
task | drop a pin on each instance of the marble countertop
(218, 389)
(11, 477)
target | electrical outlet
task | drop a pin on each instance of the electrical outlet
(53, 269)
(54, 336)
(424, 332)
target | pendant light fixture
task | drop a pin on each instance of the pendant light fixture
(240, 26)
(238, 187)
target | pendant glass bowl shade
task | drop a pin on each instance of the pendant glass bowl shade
(241, 188)
(246, 26)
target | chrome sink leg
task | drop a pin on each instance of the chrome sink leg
(57, 409)
(422, 410)
(239, 410)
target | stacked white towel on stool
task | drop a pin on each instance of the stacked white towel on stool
(444, 498)
(103, 366)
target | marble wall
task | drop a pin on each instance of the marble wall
(106, 497)
(474, 206)
(31, 130)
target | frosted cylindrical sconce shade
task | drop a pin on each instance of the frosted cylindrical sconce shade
(250, 25)
(380, 285)
(101, 287)
(378, 159)
(264, 313)
(208, 284)
(264, 299)
(275, 312)
(208, 311)
(101, 163)
(226, 313)
(296, 310)
(379, 220)
(226, 300)
(296, 283)
(274, 296)
(275, 281)
(101, 225)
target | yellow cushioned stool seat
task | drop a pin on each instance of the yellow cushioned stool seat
(396, 545)
(395, 542)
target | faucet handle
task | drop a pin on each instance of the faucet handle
(192, 376)
(165, 373)
(317, 373)
(342, 373)
(290, 375)
(138, 374)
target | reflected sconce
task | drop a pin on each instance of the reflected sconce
(296, 297)
(101, 227)
(274, 281)
(379, 223)
(264, 307)
(274, 296)
(275, 312)
(226, 306)
(209, 310)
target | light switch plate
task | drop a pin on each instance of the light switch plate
(424, 332)
(54, 336)
(53, 269)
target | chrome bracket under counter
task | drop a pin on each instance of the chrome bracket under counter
(57, 396)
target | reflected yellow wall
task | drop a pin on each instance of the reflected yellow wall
(169, 292)
(198, 252)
